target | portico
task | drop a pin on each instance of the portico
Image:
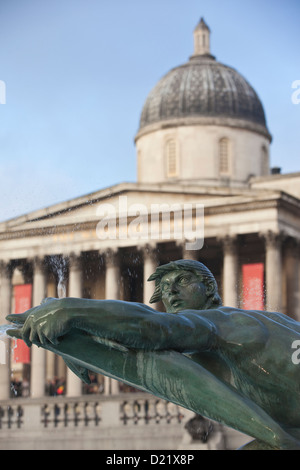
(240, 230)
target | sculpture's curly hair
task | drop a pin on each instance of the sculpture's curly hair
(197, 268)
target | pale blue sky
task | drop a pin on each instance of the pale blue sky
(77, 73)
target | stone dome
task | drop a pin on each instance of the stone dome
(203, 87)
(202, 123)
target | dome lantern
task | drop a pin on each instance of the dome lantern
(202, 123)
(201, 39)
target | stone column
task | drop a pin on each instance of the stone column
(230, 271)
(297, 316)
(5, 309)
(112, 276)
(292, 303)
(112, 292)
(38, 355)
(188, 254)
(50, 356)
(273, 268)
(74, 384)
(150, 264)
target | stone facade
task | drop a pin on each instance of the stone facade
(203, 123)
(198, 156)
(106, 244)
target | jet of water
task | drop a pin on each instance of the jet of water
(4, 328)
(59, 266)
(61, 288)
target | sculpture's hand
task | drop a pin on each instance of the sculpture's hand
(40, 325)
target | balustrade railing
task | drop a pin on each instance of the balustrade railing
(71, 414)
(87, 410)
(11, 416)
(149, 411)
(97, 422)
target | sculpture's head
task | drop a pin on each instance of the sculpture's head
(185, 284)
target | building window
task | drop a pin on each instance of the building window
(265, 168)
(224, 156)
(171, 158)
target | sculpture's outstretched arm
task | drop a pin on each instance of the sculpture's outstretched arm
(131, 324)
(172, 376)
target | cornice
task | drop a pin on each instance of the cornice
(204, 121)
(122, 188)
(283, 202)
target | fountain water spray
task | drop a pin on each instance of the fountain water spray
(59, 266)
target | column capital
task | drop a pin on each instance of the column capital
(111, 257)
(75, 260)
(39, 264)
(149, 250)
(187, 253)
(273, 239)
(6, 269)
(292, 244)
(229, 243)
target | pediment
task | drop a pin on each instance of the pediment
(126, 197)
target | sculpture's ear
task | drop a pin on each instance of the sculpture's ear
(210, 288)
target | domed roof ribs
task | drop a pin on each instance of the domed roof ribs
(203, 87)
(232, 92)
(212, 92)
(184, 85)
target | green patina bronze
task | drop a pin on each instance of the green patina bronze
(230, 365)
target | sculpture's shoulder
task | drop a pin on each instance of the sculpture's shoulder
(236, 328)
(223, 314)
(281, 319)
(232, 314)
(268, 319)
(238, 317)
(227, 318)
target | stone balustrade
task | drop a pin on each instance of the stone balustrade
(90, 421)
(127, 421)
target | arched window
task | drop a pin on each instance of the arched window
(265, 168)
(171, 158)
(224, 156)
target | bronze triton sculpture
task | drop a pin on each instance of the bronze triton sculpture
(230, 365)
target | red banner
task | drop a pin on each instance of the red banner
(22, 296)
(253, 286)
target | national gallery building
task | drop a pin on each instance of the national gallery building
(205, 190)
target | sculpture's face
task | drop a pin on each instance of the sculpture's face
(182, 290)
